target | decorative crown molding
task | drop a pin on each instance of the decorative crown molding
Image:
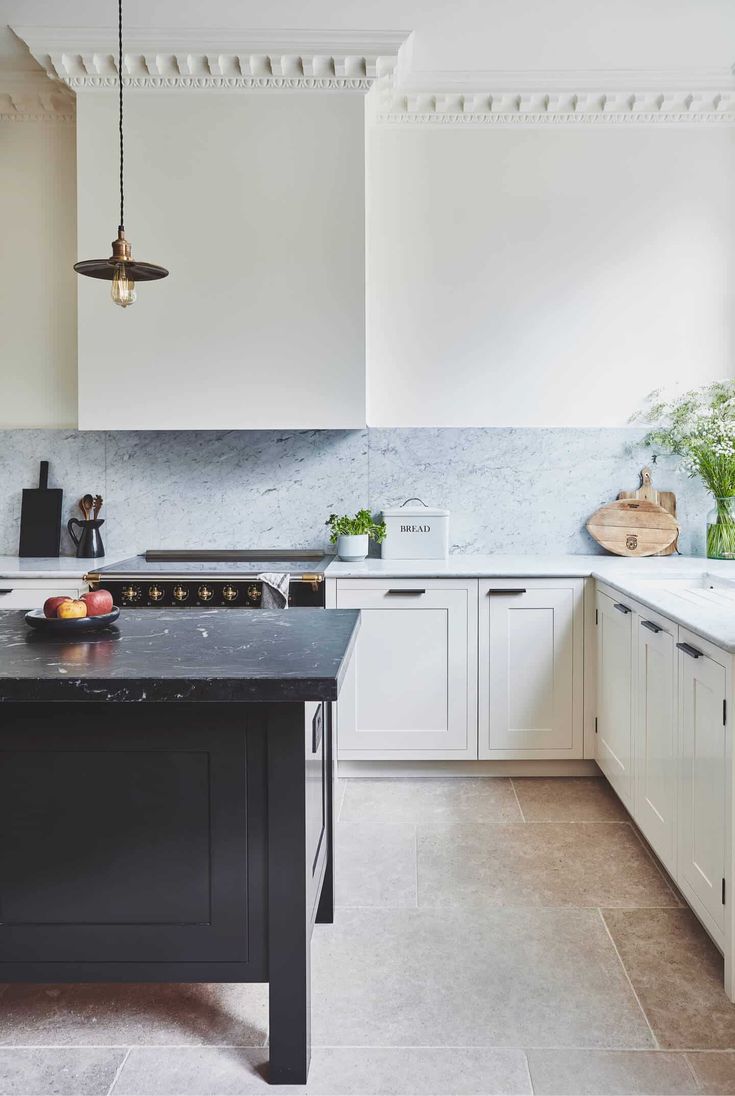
(220, 59)
(615, 97)
(31, 97)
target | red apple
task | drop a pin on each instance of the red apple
(98, 602)
(51, 605)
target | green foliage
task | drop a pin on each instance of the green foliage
(699, 427)
(345, 526)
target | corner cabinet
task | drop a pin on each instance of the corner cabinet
(530, 668)
(663, 743)
(614, 719)
(655, 753)
(414, 692)
(703, 778)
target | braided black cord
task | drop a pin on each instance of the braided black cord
(120, 123)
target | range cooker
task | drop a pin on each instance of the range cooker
(226, 579)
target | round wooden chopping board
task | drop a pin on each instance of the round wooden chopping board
(633, 527)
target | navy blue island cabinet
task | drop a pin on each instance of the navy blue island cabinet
(166, 803)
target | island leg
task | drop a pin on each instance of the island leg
(289, 928)
(325, 909)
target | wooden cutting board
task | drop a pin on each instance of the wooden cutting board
(667, 499)
(633, 527)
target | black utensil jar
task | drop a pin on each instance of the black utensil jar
(88, 540)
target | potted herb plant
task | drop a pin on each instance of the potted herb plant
(699, 427)
(352, 535)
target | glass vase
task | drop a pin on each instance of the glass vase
(721, 529)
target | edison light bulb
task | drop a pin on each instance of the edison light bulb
(122, 290)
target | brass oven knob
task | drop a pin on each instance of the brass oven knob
(155, 593)
(206, 593)
(255, 593)
(229, 593)
(130, 593)
(181, 593)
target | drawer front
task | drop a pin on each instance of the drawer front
(33, 597)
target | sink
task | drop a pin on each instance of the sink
(704, 589)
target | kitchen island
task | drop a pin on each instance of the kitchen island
(166, 803)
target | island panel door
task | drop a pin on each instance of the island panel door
(414, 691)
(531, 665)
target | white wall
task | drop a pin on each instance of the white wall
(38, 307)
(255, 203)
(545, 277)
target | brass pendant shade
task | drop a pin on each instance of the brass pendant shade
(121, 268)
(105, 268)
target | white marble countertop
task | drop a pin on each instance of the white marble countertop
(25, 567)
(517, 566)
(630, 577)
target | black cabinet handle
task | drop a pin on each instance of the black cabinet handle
(651, 626)
(6, 591)
(513, 590)
(620, 607)
(406, 593)
(689, 650)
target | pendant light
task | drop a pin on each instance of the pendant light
(121, 268)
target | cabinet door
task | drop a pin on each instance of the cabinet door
(615, 694)
(415, 681)
(654, 737)
(531, 668)
(702, 691)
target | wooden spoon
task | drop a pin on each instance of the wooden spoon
(97, 505)
(85, 505)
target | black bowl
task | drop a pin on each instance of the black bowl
(36, 619)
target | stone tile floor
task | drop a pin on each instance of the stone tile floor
(492, 936)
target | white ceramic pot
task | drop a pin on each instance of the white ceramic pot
(352, 549)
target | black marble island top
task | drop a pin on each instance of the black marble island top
(179, 655)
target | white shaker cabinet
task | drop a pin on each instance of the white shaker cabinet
(614, 743)
(531, 666)
(703, 778)
(414, 694)
(655, 733)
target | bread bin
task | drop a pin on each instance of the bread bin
(415, 531)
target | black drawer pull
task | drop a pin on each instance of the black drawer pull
(6, 591)
(508, 590)
(651, 626)
(620, 607)
(689, 650)
(406, 593)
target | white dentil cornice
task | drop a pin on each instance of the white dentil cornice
(30, 96)
(579, 97)
(222, 59)
(358, 60)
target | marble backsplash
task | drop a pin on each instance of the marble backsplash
(508, 489)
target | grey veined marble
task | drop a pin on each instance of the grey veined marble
(508, 489)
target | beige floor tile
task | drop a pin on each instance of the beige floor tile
(609, 1073)
(471, 977)
(118, 1015)
(471, 799)
(677, 973)
(545, 864)
(572, 799)
(375, 864)
(58, 1071)
(204, 1071)
(715, 1071)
